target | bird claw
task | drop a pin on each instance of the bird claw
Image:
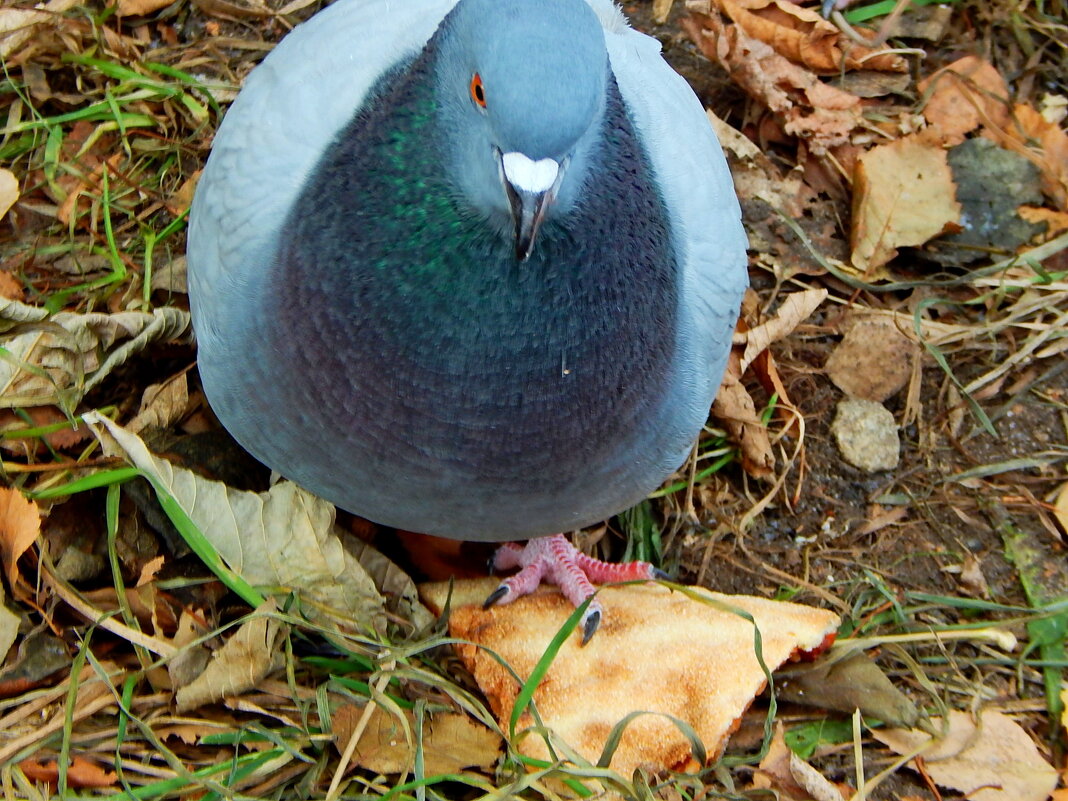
(590, 624)
(495, 596)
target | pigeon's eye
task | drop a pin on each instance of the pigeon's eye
(478, 94)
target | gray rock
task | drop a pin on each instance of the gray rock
(867, 435)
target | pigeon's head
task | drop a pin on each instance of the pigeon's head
(520, 88)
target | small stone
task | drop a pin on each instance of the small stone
(867, 435)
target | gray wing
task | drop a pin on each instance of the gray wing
(291, 106)
(699, 194)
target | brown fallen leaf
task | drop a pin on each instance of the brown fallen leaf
(874, 359)
(162, 405)
(1056, 221)
(704, 672)
(57, 359)
(791, 777)
(138, 8)
(284, 537)
(451, 742)
(734, 407)
(804, 37)
(992, 759)
(846, 682)
(773, 201)
(20, 524)
(962, 96)
(1044, 142)
(61, 439)
(1060, 508)
(809, 109)
(244, 659)
(81, 773)
(18, 25)
(904, 195)
(9, 191)
(10, 287)
(795, 308)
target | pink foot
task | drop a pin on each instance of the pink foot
(556, 560)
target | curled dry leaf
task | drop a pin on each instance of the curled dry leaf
(245, 659)
(138, 8)
(845, 682)
(451, 742)
(17, 25)
(284, 537)
(81, 773)
(1060, 508)
(818, 113)
(20, 524)
(992, 759)
(9, 189)
(962, 96)
(57, 359)
(794, 309)
(162, 405)
(705, 670)
(804, 37)
(734, 407)
(61, 439)
(1045, 143)
(904, 195)
(790, 776)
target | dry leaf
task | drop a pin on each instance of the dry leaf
(9, 628)
(1060, 508)
(20, 523)
(992, 761)
(847, 681)
(81, 773)
(1056, 221)
(138, 8)
(9, 190)
(17, 25)
(804, 37)
(794, 309)
(904, 195)
(704, 672)
(245, 659)
(60, 439)
(162, 405)
(171, 276)
(794, 779)
(74, 351)
(818, 113)
(1045, 143)
(396, 586)
(451, 742)
(734, 407)
(874, 359)
(284, 537)
(10, 287)
(964, 95)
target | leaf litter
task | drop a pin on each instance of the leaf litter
(108, 119)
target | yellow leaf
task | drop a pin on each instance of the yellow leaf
(903, 195)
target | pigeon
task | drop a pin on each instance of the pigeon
(469, 269)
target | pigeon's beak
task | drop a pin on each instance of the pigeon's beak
(531, 187)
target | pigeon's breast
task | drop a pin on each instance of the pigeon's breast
(432, 370)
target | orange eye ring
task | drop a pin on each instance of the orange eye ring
(478, 94)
